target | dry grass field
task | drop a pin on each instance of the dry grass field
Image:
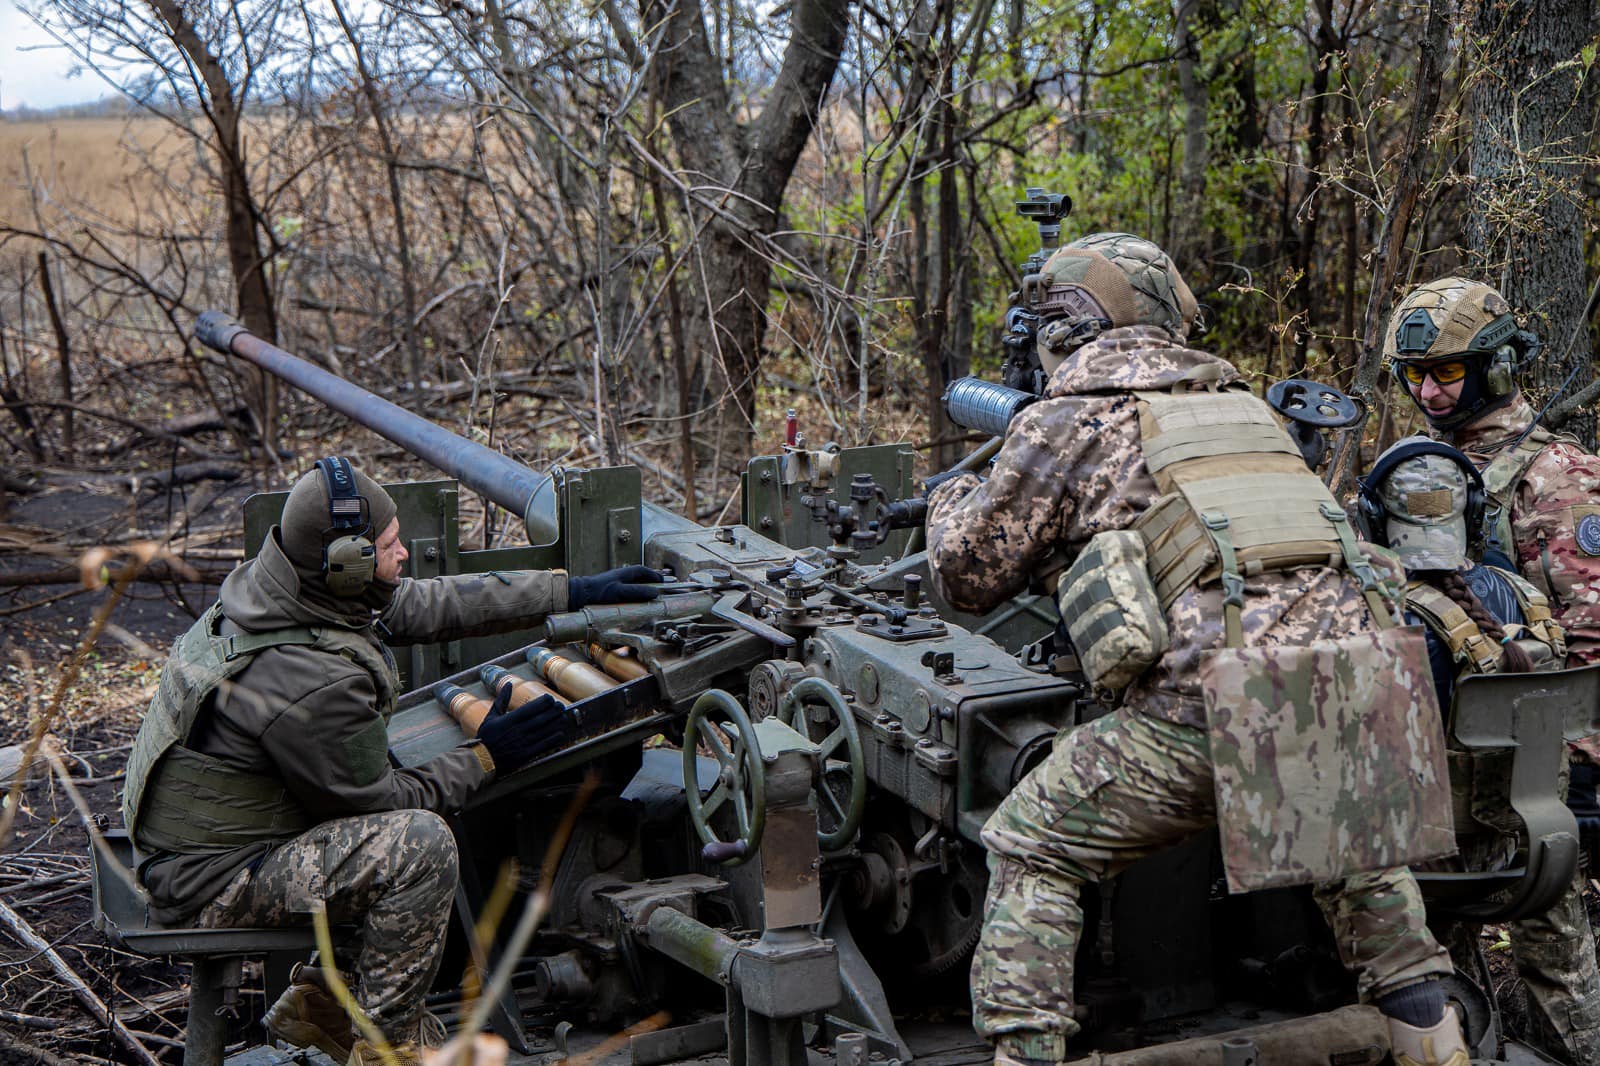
(91, 161)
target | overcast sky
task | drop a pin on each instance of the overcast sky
(36, 76)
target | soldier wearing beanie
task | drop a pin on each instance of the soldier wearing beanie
(260, 784)
(1143, 462)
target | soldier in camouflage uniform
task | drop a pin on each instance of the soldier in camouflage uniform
(1455, 349)
(259, 787)
(1419, 501)
(1134, 781)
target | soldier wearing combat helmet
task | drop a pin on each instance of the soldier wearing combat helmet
(1205, 557)
(1456, 349)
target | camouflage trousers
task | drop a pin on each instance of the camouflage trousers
(392, 874)
(1555, 958)
(1113, 791)
(1554, 952)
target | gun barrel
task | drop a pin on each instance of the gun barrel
(579, 627)
(484, 470)
(983, 405)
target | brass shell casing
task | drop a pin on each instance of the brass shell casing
(523, 690)
(468, 711)
(620, 666)
(575, 680)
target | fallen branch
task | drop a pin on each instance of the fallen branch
(26, 1054)
(23, 933)
(158, 574)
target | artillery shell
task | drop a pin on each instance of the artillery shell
(468, 710)
(575, 680)
(522, 690)
(620, 666)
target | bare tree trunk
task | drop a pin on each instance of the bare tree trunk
(391, 159)
(752, 161)
(1327, 46)
(1431, 57)
(1194, 87)
(254, 292)
(1528, 132)
(63, 354)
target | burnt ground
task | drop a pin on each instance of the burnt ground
(44, 863)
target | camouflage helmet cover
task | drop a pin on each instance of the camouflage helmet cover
(1446, 318)
(1426, 500)
(1110, 277)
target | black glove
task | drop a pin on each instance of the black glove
(516, 738)
(625, 584)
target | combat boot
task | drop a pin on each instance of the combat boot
(307, 1015)
(365, 1054)
(1030, 1049)
(1440, 1045)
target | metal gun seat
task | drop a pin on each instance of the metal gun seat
(214, 955)
(1529, 717)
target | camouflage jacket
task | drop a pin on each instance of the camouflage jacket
(1558, 498)
(1072, 467)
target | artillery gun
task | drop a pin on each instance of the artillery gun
(788, 758)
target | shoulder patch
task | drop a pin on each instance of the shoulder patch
(1587, 534)
(368, 753)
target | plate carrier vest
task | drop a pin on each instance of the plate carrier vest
(179, 800)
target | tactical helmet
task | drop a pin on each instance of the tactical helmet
(1425, 501)
(1103, 281)
(1455, 319)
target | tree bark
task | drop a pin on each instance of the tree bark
(223, 109)
(1431, 56)
(751, 163)
(1528, 132)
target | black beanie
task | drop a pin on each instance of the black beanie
(306, 521)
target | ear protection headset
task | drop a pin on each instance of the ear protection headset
(1375, 515)
(1500, 348)
(349, 558)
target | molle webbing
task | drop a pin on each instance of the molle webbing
(1467, 643)
(178, 799)
(1235, 486)
(199, 804)
(1506, 470)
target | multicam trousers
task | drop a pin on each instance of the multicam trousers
(1113, 791)
(392, 874)
(1554, 952)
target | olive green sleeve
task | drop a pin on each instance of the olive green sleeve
(469, 605)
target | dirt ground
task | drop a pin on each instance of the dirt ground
(44, 864)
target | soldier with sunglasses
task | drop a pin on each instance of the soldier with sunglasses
(1456, 349)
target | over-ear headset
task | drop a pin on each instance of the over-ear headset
(1375, 515)
(349, 559)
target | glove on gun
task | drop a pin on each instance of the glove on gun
(625, 584)
(516, 738)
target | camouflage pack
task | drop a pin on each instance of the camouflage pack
(1109, 606)
(1329, 758)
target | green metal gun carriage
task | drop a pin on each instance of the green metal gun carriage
(780, 846)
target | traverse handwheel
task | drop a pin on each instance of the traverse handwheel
(817, 711)
(717, 722)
